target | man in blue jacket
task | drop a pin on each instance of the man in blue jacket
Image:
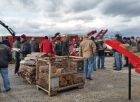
(5, 58)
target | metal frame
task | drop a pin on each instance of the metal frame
(55, 90)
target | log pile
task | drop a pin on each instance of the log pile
(70, 79)
(28, 67)
(66, 80)
(43, 76)
(78, 78)
(58, 66)
(28, 73)
(59, 63)
(76, 64)
(65, 68)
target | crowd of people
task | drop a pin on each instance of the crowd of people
(134, 44)
(93, 50)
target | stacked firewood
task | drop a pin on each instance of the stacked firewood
(43, 76)
(76, 65)
(65, 68)
(28, 73)
(70, 79)
(78, 78)
(28, 66)
(57, 67)
(58, 64)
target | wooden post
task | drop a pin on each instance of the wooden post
(129, 81)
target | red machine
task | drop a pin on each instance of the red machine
(132, 58)
(101, 34)
(75, 52)
(8, 28)
(91, 33)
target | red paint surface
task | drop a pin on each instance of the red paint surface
(133, 59)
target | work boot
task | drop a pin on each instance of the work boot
(89, 78)
(103, 67)
(8, 90)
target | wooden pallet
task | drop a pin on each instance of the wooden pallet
(49, 93)
(53, 93)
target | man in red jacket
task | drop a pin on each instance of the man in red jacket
(46, 46)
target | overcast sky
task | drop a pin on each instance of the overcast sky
(43, 17)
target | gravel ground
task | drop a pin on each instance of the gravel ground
(107, 86)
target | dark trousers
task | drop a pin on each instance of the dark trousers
(17, 64)
(100, 61)
(118, 60)
(126, 60)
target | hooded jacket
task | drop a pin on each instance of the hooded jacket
(5, 55)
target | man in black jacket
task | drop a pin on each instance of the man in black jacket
(100, 53)
(25, 47)
(5, 58)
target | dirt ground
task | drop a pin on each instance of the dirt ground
(107, 86)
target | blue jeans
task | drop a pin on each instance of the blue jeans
(94, 63)
(100, 61)
(118, 60)
(4, 74)
(88, 67)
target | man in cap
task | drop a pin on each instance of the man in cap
(25, 47)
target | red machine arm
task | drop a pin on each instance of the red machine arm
(91, 33)
(133, 59)
(101, 34)
(9, 29)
